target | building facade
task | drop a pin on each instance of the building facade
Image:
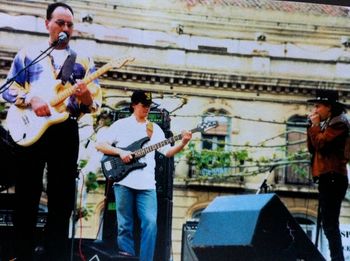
(250, 65)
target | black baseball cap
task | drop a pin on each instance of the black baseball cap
(143, 97)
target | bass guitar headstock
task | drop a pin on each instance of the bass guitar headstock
(205, 126)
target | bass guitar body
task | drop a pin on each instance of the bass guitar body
(115, 169)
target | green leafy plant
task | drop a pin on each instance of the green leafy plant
(91, 183)
(208, 159)
(215, 162)
(83, 212)
(219, 164)
(241, 156)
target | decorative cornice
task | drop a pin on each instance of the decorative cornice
(204, 83)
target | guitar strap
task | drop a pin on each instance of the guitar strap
(149, 129)
(67, 68)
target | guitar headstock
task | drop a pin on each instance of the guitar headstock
(204, 126)
(121, 62)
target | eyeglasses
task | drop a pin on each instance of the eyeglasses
(62, 23)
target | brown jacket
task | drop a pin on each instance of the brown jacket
(329, 146)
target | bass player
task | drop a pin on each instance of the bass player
(137, 189)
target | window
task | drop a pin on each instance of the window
(296, 150)
(213, 142)
(216, 138)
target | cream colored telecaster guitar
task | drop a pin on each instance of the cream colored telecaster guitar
(26, 128)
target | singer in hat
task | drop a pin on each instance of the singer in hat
(328, 143)
(56, 148)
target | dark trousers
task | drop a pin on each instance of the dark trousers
(57, 152)
(332, 188)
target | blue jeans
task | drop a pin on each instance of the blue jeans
(145, 203)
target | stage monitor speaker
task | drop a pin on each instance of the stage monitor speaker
(251, 227)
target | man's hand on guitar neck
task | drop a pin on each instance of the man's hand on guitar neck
(186, 137)
(39, 106)
(125, 156)
(83, 93)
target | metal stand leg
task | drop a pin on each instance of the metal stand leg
(318, 224)
(74, 219)
(263, 187)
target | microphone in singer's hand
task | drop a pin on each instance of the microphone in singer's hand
(308, 122)
(62, 37)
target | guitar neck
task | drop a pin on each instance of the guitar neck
(142, 152)
(70, 90)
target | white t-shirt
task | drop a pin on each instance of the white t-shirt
(124, 132)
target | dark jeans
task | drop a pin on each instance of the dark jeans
(57, 150)
(332, 188)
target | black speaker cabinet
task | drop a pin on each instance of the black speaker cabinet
(164, 224)
(7, 232)
(251, 227)
(8, 156)
(164, 175)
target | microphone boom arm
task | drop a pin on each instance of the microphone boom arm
(62, 37)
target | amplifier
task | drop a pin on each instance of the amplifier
(6, 217)
(159, 116)
(7, 233)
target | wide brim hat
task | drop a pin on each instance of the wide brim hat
(328, 97)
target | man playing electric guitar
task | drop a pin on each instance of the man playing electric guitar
(137, 189)
(57, 149)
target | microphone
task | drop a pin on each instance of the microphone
(308, 122)
(62, 37)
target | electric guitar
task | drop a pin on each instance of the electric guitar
(26, 127)
(115, 169)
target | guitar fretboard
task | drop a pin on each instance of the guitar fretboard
(69, 91)
(142, 152)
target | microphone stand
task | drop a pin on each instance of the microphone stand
(46, 52)
(263, 187)
(318, 224)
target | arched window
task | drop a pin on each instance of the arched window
(309, 225)
(298, 170)
(216, 138)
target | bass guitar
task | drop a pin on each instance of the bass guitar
(115, 169)
(26, 127)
